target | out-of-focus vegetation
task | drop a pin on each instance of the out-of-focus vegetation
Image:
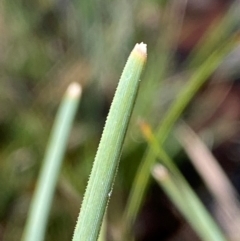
(45, 45)
(37, 220)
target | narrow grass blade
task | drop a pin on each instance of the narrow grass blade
(105, 165)
(161, 59)
(216, 35)
(207, 166)
(42, 199)
(141, 179)
(181, 200)
(103, 230)
(214, 178)
(182, 194)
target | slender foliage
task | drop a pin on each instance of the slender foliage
(141, 179)
(43, 195)
(182, 195)
(105, 165)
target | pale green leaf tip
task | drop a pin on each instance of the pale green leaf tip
(74, 90)
(160, 172)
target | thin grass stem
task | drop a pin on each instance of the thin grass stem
(182, 194)
(42, 199)
(214, 178)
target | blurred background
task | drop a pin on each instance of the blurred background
(47, 44)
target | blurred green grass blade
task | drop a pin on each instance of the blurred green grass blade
(162, 55)
(216, 35)
(199, 77)
(165, 180)
(106, 162)
(40, 207)
(188, 204)
(103, 230)
(182, 194)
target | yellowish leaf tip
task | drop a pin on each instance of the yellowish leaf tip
(145, 128)
(74, 90)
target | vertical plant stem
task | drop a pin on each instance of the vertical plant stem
(105, 165)
(40, 207)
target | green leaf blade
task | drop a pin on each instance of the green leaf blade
(107, 158)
